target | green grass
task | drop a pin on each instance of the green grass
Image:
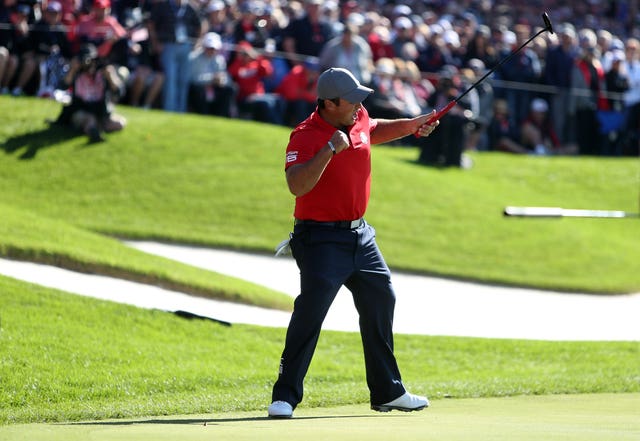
(35, 238)
(217, 182)
(533, 418)
(67, 358)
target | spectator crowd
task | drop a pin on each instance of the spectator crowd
(574, 91)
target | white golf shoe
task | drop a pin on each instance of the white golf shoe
(280, 409)
(406, 403)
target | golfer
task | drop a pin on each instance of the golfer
(328, 169)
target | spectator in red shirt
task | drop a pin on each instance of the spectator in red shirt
(297, 89)
(248, 70)
(100, 28)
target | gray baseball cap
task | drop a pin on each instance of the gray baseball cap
(337, 82)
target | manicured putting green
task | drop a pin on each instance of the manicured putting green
(554, 417)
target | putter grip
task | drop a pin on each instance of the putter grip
(440, 113)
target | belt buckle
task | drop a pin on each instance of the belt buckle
(355, 224)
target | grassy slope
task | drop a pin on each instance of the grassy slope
(36, 238)
(219, 182)
(66, 358)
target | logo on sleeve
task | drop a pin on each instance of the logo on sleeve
(292, 156)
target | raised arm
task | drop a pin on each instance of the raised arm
(389, 129)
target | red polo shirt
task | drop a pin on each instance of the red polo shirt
(342, 193)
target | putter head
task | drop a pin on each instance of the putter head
(547, 22)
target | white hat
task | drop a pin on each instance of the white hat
(618, 55)
(403, 23)
(400, 10)
(355, 19)
(215, 6)
(539, 105)
(451, 37)
(509, 38)
(212, 40)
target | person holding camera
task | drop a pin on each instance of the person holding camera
(93, 85)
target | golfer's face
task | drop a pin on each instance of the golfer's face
(348, 112)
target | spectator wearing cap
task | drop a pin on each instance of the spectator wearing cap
(604, 39)
(297, 90)
(22, 62)
(52, 47)
(453, 49)
(219, 20)
(349, 51)
(616, 80)
(560, 59)
(537, 132)
(611, 122)
(308, 34)
(502, 134)
(174, 27)
(248, 70)
(607, 57)
(403, 32)
(211, 91)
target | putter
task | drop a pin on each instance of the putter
(445, 109)
(563, 212)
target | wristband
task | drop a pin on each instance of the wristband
(333, 149)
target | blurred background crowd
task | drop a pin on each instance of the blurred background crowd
(576, 91)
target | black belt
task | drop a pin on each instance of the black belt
(346, 225)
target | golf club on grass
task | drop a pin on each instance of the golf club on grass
(563, 212)
(439, 114)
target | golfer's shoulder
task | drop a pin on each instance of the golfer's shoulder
(310, 127)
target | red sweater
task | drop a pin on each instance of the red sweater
(297, 86)
(248, 75)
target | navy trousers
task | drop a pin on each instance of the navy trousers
(328, 258)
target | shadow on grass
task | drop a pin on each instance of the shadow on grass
(33, 142)
(209, 421)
